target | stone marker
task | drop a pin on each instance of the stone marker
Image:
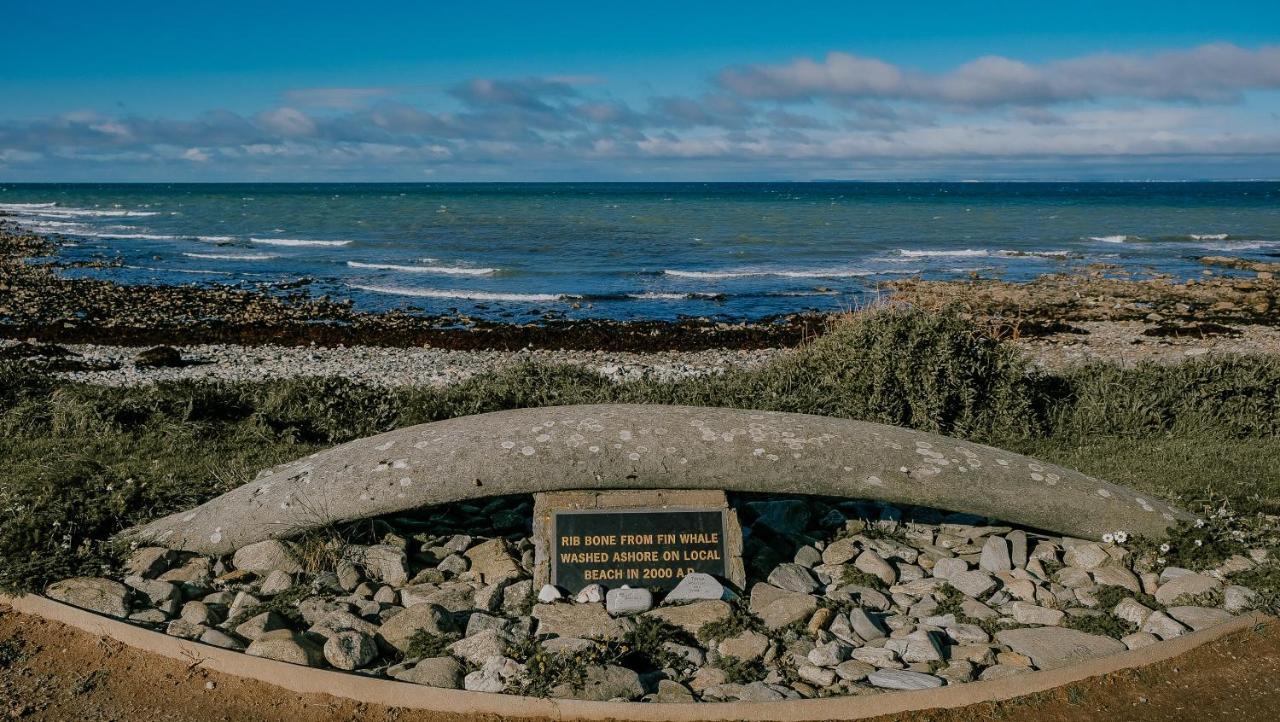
(620, 446)
(627, 600)
(693, 587)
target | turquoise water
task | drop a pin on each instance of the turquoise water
(518, 251)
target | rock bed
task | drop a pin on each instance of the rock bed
(843, 598)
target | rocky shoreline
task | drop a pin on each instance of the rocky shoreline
(843, 598)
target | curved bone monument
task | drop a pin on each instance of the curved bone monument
(618, 447)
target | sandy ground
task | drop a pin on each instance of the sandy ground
(49, 671)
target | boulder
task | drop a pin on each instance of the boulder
(284, 645)
(628, 600)
(603, 683)
(995, 556)
(746, 646)
(399, 629)
(1188, 585)
(443, 672)
(587, 621)
(692, 617)
(794, 578)
(492, 561)
(103, 596)
(778, 608)
(350, 650)
(1050, 647)
(902, 679)
(267, 556)
(694, 587)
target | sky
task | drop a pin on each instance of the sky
(653, 91)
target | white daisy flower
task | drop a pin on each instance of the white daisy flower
(1164, 548)
(1199, 523)
(1108, 538)
(1199, 542)
(1122, 537)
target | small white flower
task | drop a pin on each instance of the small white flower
(1108, 538)
(1199, 542)
(1164, 548)
(1199, 523)
(1160, 561)
(1122, 537)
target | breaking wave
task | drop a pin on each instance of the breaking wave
(444, 270)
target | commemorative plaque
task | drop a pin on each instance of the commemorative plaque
(639, 538)
(651, 548)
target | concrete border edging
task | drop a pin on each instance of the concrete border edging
(306, 680)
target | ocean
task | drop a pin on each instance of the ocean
(519, 252)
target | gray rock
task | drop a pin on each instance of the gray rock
(453, 565)
(1237, 599)
(350, 650)
(493, 562)
(866, 626)
(1017, 548)
(149, 562)
(604, 683)
(1117, 576)
(695, 587)
(1138, 640)
(443, 672)
(1024, 613)
(815, 675)
(693, 617)
(778, 608)
(626, 600)
(219, 638)
(486, 679)
(267, 556)
(348, 575)
(103, 596)
(840, 551)
(1189, 585)
(260, 624)
(1086, 556)
(482, 647)
(1051, 647)
(447, 471)
(1131, 611)
(827, 655)
(808, 557)
(747, 646)
(794, 578)
(995, 556)
(284, 645)
(480, 622)
(579, 620)
(383, 563)
(517, 595)
(184, 630)
(399, 629)
(853, 670)
(1163, 626)
(164, 595)
(671, 691)
(590, 594)
(872, 563)
(548, 594)
(200, 613)
(948, 567)
(973, 583)
(878, 657)
(903, 679)
(276, 582)
(149, 616)
(341, 621)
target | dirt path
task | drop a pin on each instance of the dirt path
(49, 671)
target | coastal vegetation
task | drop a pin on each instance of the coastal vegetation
(85, 461)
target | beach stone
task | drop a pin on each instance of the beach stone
(158, 357)
(794, 578)
(1237, 599)
(348, 574)
(267, 556)
(149, 616)
(672, 692)
(995, 556)
(1051, 647)
(1024, 613)
(1189, 584)
(872, 563)
(921, 647)
(1163, 626)
(481, 647)
(149, 562)
(878, 657)
(778, 608)
(442, 672)
(443, 472)
(626, 600)
(219, 638)
(1001, 671)
(948, 567)
(164, 595)
(1132, 611)
(827, 655)
(493, 562)
(1086, 556)
(693, 617)
(789, 516)
(548, 594)
(815, 675)
(973, 583)
(1017, 548)
(1117, 576)
(340, 620)
(903, 679)
(184, 630)
(603, 683)
(819, 621)
(400, 628)
(866, 626)
(852, 670)
(590, 594)
(350, 650)
(200, 613)
(587, 621)
(486, 679)
(695, 587)
(103, 596)
(384, 563)
(517, 595)
(968, 634)
(1138, 640)
(1073, 578)
(839, 551)
(275, 583)
(284, 645)
(747, 646)
(258, 625)
(1199, 617)
(808, 557)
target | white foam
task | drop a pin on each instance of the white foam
(24, 206)
(82, 212)
(1242, 245)
(215, 239)
(1035, 254)
(1209, 236)
(1113, 239)
(965, 253)
(130, 236)
(467, 295)
(233, 256)
(445, 270)
(665, 296)
(297, 242)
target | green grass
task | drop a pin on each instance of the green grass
(83, 462)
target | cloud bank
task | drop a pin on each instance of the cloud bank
(1206, 111)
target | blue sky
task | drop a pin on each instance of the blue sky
(639, 91)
